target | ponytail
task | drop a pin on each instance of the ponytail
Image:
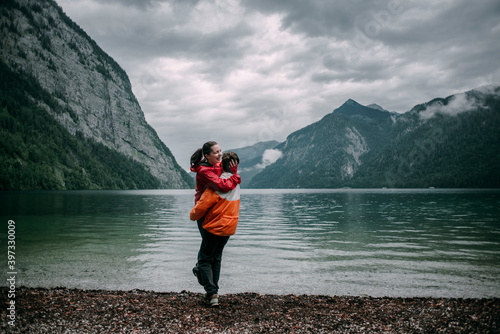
(199, 156)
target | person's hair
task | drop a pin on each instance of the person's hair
(199, 155)
(226, 159)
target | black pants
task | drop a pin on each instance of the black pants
(209, 259)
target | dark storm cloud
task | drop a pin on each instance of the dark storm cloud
(317, 18)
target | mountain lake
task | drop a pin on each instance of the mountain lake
(376, 242)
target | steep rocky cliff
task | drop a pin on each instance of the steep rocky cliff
(92, 92)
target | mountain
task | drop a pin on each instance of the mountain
(87, 127)
(451, 142)
(326, 154)
(253, 159)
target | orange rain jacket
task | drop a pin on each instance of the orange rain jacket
(223, 210)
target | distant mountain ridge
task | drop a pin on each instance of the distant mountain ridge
(253, 160)
(451, 142)
(447, 142)
(86, 92)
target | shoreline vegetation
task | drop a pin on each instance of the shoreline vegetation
(62, 310)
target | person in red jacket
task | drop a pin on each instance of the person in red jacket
(206, 162)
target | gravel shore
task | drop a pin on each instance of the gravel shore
(61, 310)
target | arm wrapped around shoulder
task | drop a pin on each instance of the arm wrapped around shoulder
(223, 185)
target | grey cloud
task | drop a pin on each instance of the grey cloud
(145, 4)
(464, 20)
(320, 18)
(324, 77)
(141, 4)
(219, 50)
(190, 43)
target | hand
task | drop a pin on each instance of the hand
(233, 166)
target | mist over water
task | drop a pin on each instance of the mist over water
(431, 242)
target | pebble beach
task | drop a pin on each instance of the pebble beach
(61, 310)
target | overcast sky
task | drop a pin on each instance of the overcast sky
(244, 71)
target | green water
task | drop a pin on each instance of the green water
(432, 242)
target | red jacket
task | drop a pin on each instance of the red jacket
(221, 210)
(208, 176)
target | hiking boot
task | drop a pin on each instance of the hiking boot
(213, 301)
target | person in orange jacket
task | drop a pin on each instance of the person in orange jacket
(220, 212)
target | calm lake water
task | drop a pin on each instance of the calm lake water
(432, 242)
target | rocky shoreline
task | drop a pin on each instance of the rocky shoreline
(62, 310)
